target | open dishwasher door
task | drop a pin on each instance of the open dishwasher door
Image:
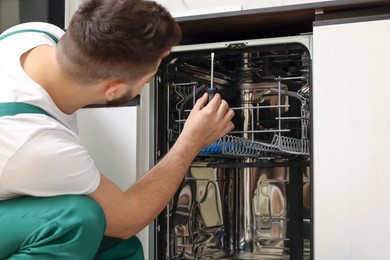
(248, 195)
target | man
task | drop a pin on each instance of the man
(54, 203)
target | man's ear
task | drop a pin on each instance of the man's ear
(114, 89)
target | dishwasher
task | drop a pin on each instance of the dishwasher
(247, 196)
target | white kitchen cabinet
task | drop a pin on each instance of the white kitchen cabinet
(251, 4)
(351, 140)
(110, 136)
(181, 8)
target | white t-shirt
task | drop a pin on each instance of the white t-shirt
(39, 155)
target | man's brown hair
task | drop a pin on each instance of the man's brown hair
(122, 39)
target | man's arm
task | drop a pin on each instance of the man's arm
(130, 211)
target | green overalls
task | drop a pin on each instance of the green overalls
(68, 227)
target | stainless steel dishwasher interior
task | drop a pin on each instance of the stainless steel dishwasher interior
(239, 200)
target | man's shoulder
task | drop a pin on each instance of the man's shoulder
(23, 128)
(35, 25)
(32, 32)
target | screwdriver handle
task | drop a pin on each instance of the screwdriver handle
(211, 92)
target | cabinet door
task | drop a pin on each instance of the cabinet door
(110, 134)
(251, 4)
(351, 126)
(180, 8)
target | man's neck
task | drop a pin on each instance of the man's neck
(41, 65)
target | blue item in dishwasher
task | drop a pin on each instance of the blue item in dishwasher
(215, 148)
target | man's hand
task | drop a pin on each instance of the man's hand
(207, 123)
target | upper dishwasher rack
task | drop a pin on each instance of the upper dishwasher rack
(257, 136)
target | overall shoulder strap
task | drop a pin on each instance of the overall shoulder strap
(14, 108)
(55, 39)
